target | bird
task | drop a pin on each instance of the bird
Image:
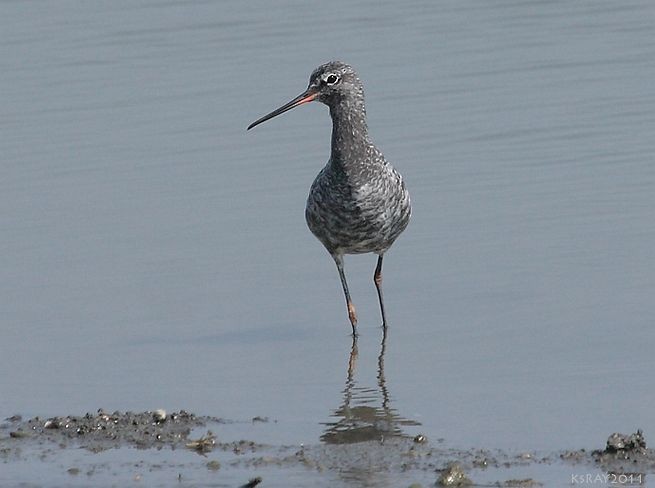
(358, 202)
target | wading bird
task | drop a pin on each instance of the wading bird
(358, 203)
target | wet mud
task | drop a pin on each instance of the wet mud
(410, 460)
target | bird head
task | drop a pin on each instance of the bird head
(331, 83)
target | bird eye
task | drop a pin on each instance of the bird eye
(331, 79)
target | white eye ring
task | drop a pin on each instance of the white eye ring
(331, 79)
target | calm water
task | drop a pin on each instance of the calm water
(154, 254)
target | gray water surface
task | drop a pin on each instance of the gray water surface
(154, 254)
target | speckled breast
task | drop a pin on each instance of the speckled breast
(351, 215)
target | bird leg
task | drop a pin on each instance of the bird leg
(352, 315)
(377, 279)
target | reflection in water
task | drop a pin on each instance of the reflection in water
(365, 413)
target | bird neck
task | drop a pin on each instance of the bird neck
(349, 132)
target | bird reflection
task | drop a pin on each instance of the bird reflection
(365, 413)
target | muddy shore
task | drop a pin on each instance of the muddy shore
(183, 447)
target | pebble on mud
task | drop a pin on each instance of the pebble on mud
(252, 482)
(18, 434)
(159, 415)
(205, 444)
(621, 442)
(621, 448)
(453, 475)
(213, 465)
(524, 483)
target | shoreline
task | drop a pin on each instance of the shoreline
(196, 440)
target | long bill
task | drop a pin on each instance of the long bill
(305, 97)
